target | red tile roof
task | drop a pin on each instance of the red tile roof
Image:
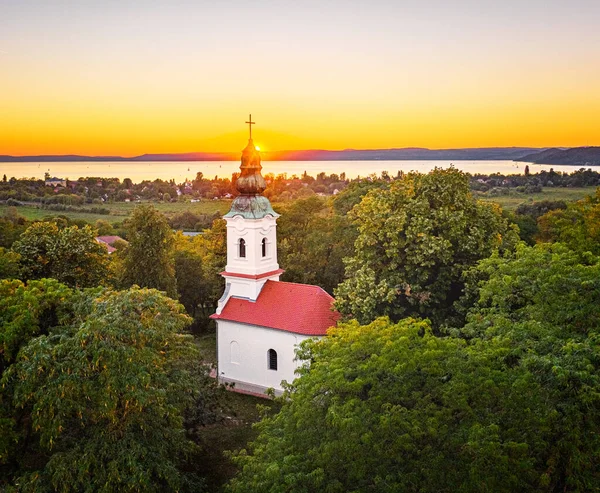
(299, 308)
(109, 240)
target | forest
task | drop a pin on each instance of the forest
(467, 358)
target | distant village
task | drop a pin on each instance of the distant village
(53, 191)
(97, 190)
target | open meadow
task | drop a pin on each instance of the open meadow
(121, 210)
(514, 199)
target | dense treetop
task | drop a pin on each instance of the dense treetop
(415, 240)
(70, 254)
(97, 402)
(146, 260)
(577, 225)
(508, 403)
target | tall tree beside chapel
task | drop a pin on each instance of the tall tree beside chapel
(313, 240)
(414, 242)
(147, 259)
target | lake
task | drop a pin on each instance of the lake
(180, 170)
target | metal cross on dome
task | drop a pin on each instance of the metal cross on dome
(250, 123)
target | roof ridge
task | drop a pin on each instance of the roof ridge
(301, 284)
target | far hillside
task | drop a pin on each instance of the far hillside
(577, 156)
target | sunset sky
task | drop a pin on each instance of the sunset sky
(128, 77)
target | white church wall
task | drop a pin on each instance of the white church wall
(242, 355)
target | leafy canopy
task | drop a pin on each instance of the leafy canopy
(147, 259)
(198, 262)
(510, 402)
(415, 239)
(578, 226)
(27, 311)
(70, 254)
(390, 407)
(9, 264)
(100, 400)
(544, 304)
(312, 242)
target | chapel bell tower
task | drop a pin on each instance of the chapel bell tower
(251, 233)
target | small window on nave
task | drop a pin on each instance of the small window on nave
(264, 247)
(272, 359)
(242, 248)
(234, 350)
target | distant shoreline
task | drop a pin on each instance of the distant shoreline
(576, 156)
(400, 154)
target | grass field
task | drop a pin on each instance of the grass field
(33, 213)
(121, 210)
(512, 201)
(202, 207)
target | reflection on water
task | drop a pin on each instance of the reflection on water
(180, 170)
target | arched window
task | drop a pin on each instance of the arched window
(272, 359)
(264, 247)
(234, 348)
(242, 248)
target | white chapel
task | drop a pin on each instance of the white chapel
(260, 319)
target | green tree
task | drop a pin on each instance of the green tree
(312, 242)
(354, 193)
(12, 225)
(578, 226)
(415, 239)
(544, 305)
(147, 260)
(508, 403)
(104, 228)
(106, 395)
(70, 254)
(9, 264)
(527, 214)
(386, 408)
(189, 272)
(26, 311)
(198, 264)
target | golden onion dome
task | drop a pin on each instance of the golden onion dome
(250, 181)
